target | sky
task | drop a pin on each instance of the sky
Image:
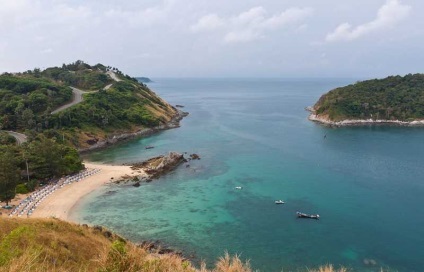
(220, 38)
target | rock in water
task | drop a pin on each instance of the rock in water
(163, 164)
(194, 156)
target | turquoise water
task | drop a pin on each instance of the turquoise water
(367, 183)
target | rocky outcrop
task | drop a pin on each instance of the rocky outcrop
(325, 120)
(194, 156)
(160, 165)
(359, 122)
(159, 248)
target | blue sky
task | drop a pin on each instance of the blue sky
(203, 38)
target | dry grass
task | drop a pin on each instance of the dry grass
(328, 268)
(48, 245)
(231, 264)
(52, 245)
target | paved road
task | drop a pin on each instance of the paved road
(107, 87)
(77, 94)
(113, 76)
(76, 98)
(20, 138)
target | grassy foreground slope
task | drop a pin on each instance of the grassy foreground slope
(392, 98)
(54, 245)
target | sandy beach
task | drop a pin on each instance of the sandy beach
(59, 203)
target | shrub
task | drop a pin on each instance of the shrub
(22, 189)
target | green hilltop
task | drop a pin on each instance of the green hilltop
(110, 105)
(392, 98)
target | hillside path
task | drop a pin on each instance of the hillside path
(77, 94)
(113, 76)
(20, 138)
(76, 98)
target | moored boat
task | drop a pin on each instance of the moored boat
(305, 215)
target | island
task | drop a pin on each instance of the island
(392, 100)
(144, 79)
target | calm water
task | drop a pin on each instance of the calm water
(366, 183)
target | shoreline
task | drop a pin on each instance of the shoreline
(62, 202)
(173, 123)
(360, 122)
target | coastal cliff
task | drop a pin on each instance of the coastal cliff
(394, 100)
(95, 143)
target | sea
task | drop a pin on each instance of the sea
(365, 182)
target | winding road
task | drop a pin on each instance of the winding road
(113, 76)
(78, 94)
(20, 138)
(77, 97)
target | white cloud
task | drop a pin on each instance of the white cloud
(208, 22)
(250, 25)
(392, 12)
(141, 17)
(242, 36)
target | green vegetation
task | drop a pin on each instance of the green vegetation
(48, 158)
(27, 100)
(79, 75)
(392, 98)
(9, 174)
(6, 139)
(53, 245)
(123, 105)
(45, 157)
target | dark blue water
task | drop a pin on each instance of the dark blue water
(367, 183)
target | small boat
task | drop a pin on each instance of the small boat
(304, 215)
(279, 202)
(238, 187)
(149, 147)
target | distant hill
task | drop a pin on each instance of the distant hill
(112, 103)
(393, 98)
(144, 79)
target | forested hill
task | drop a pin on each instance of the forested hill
(392, 98)
(112, 103)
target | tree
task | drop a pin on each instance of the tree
(45, 157)
(9, 174)
(48, 158)
(28, 118)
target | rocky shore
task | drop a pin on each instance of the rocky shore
(174, 123)
(157, 166)
(153, 168)
(325, 120)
